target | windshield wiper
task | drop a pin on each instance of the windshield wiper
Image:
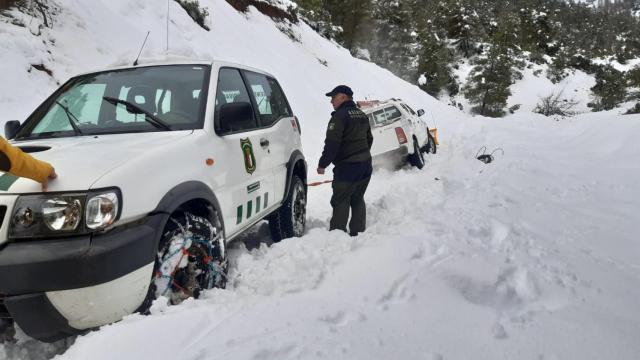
(132, 108)
(71, 118)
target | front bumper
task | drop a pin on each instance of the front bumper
(30, 269)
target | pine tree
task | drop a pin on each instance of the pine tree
(434, 64)
(392, 41)
(316, 14)
(610, 88)
(490, 79)
(464, 28)
(354, 17)
(488, 84)
(633, 80)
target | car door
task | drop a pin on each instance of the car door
(279, 130)
(420, 128)
(247, 179)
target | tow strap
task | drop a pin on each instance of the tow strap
(318, 183)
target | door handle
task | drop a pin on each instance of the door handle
(264, 142)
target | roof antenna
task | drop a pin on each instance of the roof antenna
(167, 51)
(135, 63)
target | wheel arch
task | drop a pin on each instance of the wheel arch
(296, 165)
(192, 195)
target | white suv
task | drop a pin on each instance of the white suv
(159, 167)
(399, 134)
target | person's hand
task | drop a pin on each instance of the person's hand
(45, 183)
(321, 171)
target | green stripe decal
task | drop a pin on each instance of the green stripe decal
(266, 199)
(239, 219)
(6, 181)
(253, 187)
(249, 208)
(258, 204)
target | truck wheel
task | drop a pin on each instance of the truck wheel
(417, 158)
(191, 258)
(290, 220)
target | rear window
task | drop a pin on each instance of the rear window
(384, 116)
(393, 113)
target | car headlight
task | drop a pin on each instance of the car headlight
(45, 215)
(62, 213)
(102, 210)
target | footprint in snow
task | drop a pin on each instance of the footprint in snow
(342, 318)
(398, 292)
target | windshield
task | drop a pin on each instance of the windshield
(157, 98)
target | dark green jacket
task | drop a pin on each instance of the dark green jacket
(348, 138)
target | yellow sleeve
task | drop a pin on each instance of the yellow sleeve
(24, 165)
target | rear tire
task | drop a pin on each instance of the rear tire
(191, 258)
(417, 158)
(290, 220)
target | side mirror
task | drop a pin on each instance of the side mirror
(236, 116)
(11, 128)
(420, 112)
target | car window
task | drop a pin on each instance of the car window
(409, 109)
(269, 98)
(379, 117)
(393, 113)
(231, 90)
(372, 122)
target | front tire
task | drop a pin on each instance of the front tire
(290, 220)
(191, 258)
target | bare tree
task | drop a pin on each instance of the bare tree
(556, 104)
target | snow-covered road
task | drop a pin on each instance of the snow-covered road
(533, 256)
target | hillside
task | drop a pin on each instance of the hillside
(533, 256)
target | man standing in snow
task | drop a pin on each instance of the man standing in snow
(347, 146)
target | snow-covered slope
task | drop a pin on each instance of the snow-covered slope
(533, 256)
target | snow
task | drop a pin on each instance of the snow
(535, 85)
(617, 65)
(533, 256)
(422, 80)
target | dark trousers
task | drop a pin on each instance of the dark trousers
(349, 195)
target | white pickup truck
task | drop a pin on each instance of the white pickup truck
(399, 134)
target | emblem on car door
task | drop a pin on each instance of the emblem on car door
(249, 157)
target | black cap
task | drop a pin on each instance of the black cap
(340, 89)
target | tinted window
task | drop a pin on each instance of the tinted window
(269, 98)
(231, 90)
